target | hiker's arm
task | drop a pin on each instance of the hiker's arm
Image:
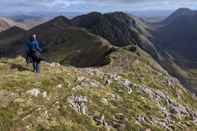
(38, 47)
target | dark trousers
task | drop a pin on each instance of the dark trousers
(36, 65)
(35, 59)
(28, 58)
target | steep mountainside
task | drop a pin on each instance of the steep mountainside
(176, 41)
(63, 43)
(180, 35)
(119, 28)
(131, 93)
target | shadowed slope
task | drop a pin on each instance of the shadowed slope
(11, 43)
(176, 42)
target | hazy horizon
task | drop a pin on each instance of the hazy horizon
(48, 7)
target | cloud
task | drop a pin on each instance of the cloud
(22, 6)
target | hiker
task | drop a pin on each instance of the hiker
(33, 53)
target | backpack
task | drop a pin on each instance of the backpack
(36, 55)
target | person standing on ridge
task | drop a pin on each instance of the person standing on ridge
(33, 53)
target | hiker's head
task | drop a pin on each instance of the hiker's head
(33, 37)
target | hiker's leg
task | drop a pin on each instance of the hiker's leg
(38, 67)
(34, 66)
(27, 58)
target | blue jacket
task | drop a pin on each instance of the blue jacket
(34, 45)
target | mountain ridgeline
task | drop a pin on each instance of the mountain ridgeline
(119, 28)
(86, 40)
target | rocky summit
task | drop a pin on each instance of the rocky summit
(131, 93)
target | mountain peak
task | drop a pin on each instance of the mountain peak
(179, 15)
(183, 10)
(61, 17)
(61, 20)
(95, 13)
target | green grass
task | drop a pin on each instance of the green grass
(54, 113)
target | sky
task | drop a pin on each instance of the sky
(44, 6)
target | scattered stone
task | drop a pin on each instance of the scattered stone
(44, 94)
(179, 110)
(92, 71)
(78, 103)
(155, 95)
(128, 85)
(115, 77)
(148, 129)
(141, 119)
(173, 82)
(172, 108)
(55, 64)
(115, 97)
(59, 86)
(108, 82)
(104, 101)
(78, 87)
(193, 114)
(100, 120)
(80, 78)
(34, 92)
(90, 83)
